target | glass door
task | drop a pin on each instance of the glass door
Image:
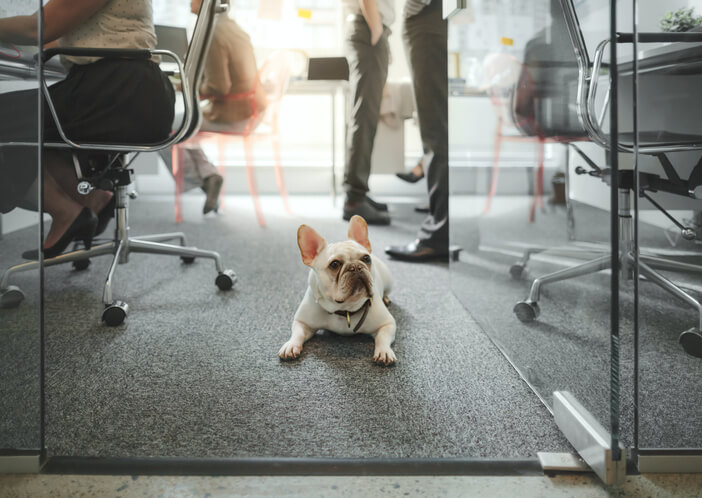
(534, 206)
(21, 437)
(665, 79)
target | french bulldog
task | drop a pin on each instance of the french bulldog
(347, 292)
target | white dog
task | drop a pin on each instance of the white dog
(347, 292)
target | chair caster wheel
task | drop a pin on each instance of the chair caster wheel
(516, 270)
(115, 313)
(187, 259)
(81, 264)
(226, 280)
(691, 341)
(526, 311)
(11, 297)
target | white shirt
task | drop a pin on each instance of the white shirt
(414, 7)
(386, 8)
(119, 24)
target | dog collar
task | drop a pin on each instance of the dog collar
(348, 314)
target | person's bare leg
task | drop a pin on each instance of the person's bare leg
(60, 206)
(60, 166)
(418, 169)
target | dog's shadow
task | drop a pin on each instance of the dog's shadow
(341, 351)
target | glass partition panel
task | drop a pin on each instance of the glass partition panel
(531, 194)
(668, 74)
(20, 287)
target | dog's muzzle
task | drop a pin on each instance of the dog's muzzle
(356, 278)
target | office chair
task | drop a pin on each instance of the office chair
(273, 77)
(502, 73)
(654, 143)
(110, 171)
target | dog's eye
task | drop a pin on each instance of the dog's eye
(334, 265)
(366, 259)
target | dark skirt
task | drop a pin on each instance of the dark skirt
(111, 101)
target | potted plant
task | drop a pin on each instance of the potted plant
(680, 21)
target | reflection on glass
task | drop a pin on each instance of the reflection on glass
(669, 223)
(530, 201)
(19, 231)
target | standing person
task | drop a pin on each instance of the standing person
(228, 86)
(100, 100)
(368, 53)
(425, 38)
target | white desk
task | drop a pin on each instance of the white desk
(332, 88)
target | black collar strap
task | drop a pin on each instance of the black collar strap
(348, 314)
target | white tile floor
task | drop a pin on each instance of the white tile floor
(37, 486)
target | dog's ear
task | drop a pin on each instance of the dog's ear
(310, 243)
(358, 231)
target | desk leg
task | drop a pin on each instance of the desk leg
(333, 131)
(570, 217)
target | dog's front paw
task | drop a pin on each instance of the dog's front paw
(384, 357)
(290, 351)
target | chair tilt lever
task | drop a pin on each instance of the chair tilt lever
(101, 170)
(688, 233)
(579, 170)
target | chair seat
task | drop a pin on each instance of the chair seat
(655, 137)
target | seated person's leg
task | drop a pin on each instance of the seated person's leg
(205, 173)
(198, 171)
(69, 219)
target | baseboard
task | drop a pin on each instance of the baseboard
(289, 466)
(675, 461)
(20, 462)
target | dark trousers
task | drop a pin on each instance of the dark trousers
(368, 67)
(425, 38)
(109, 101)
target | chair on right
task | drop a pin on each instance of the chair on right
(273, 76)
(508, 79)
(653, 143)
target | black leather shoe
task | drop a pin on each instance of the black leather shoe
(364, 209)
(409, 177)
(417, 251)
(424, 208)
(82, 228)
(380, 206)
(104, 216)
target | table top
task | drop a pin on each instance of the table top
(668, 58)
(301, 85)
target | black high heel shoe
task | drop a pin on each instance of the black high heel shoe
(82, 228)
(104, 216)
(410, 177)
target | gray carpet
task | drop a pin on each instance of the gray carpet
(20, 353)
(193, 371)
(568, 346)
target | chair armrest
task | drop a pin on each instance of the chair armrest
(96, 52)
(588, 106)
(141, 54)
(249, 95)
(659, 37)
